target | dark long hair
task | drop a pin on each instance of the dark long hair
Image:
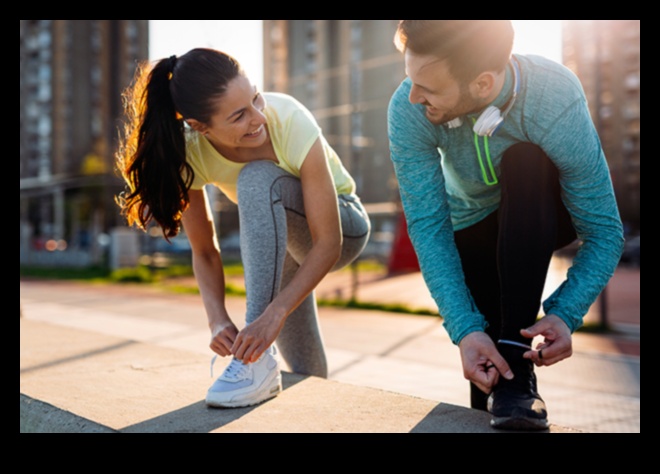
(152, 154)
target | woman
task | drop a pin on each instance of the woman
(197, 120)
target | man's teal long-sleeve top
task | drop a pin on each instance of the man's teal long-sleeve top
(443, 188)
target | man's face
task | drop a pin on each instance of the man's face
(434, 87)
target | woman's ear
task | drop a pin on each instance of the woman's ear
(197, 125)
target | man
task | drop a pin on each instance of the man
(499, 165)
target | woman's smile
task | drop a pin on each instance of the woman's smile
(255, 133)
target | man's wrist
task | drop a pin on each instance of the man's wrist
(565, 320)
(471, 335)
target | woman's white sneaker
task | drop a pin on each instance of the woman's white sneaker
(242, 385)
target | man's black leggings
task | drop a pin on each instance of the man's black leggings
(506, 256)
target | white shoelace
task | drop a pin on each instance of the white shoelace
(236, 369)
(515, 343)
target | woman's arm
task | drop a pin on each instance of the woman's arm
(207, 265)
(322, 214)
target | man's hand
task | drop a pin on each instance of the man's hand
(482, 363)
(557, 344)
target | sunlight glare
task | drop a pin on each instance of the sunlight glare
(243, 39)
(542, 37)
(239, 38)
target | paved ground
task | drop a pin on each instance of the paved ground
(597, 390)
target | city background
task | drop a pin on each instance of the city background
(72, 74)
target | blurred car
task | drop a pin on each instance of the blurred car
(176, 245)
(230, 246)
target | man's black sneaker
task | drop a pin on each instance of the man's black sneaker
(515, 404)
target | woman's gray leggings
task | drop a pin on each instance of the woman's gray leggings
(275, 239)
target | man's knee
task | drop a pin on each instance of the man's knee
(529, 163)
(524, 154)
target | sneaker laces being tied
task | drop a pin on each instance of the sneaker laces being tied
(236, 369)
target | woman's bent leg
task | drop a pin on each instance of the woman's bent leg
(262, 190)
(300, 341)
(275, 239)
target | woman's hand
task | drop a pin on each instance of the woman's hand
(223, 336)
(258, 336)
(207, 264)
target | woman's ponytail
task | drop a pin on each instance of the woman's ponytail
(152, 158)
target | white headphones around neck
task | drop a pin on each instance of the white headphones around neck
(491, 119)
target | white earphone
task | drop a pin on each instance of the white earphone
(491, 119)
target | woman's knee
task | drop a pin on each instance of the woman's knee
(263, 182)
(257, 171)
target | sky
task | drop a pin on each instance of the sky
(243, 39)
(239, 38)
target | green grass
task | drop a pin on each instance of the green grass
(91, 273)
(230, 289)
(160, 277)
(139, 274)
(369, 306)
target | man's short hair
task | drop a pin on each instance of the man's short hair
(470, 47)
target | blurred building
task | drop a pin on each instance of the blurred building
(605, 54)
(345, 72)
(72, 74)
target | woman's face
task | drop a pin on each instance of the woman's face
(239, 121)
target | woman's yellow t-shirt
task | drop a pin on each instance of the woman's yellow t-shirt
(293, 130)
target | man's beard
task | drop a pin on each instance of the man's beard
(466, 105)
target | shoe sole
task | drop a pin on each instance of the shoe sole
(261, 396)
(519, 423)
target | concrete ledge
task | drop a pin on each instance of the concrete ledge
(40, 417)
(75, 380)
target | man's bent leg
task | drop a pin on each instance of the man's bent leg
(477, 247)
(531, 217)
(528, 230)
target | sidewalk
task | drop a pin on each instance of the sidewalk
(135, 359)
(622, 293)
(596, 390)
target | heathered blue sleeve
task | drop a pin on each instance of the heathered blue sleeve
(414, 152)
(571, 141)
